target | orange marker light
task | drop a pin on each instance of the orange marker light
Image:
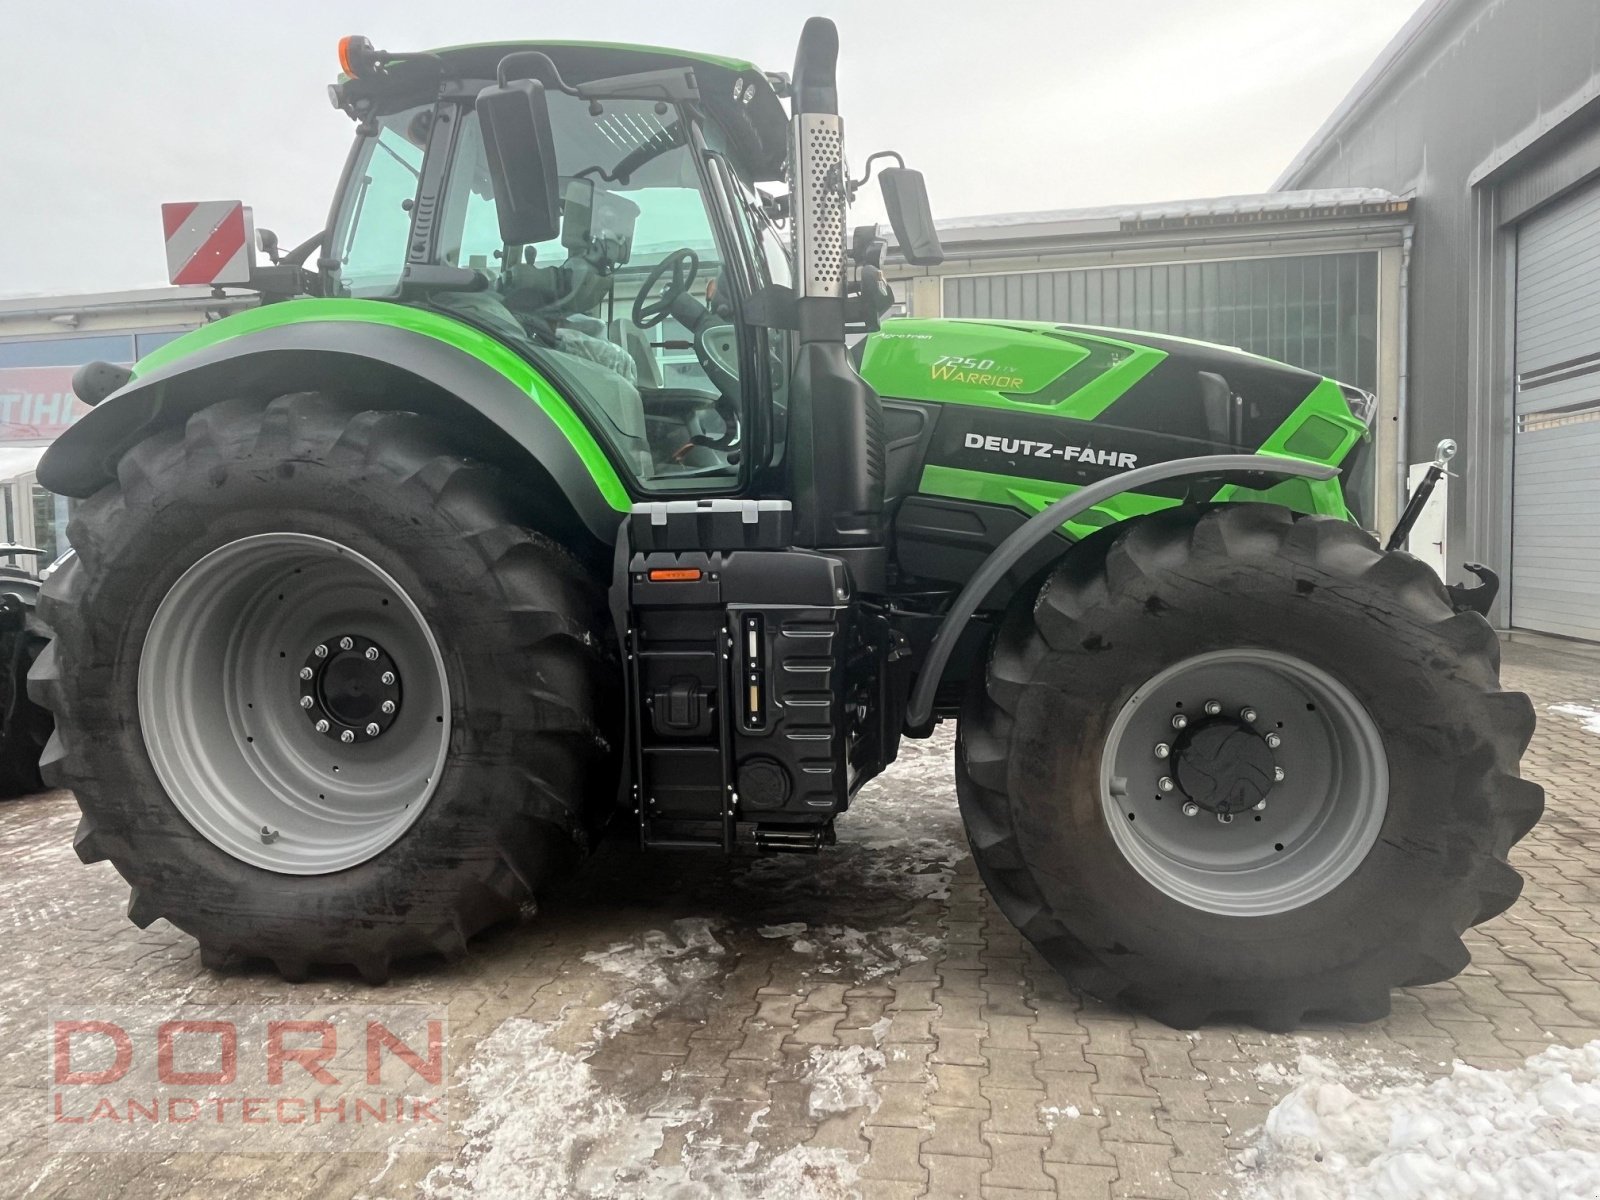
(352, 50)
(675, 575)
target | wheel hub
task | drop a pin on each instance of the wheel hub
(350, 689)
(1190, 761)
(256, 697)
(1223, 765)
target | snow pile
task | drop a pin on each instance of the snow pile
(661, 968)
(1052, 1114)
(545, 1126)
(1528, 1134)
(542, 1129)
(841, 1079)
(1588, 714)
(653, 963)
(533, 1108)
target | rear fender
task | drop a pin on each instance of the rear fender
(504, 405)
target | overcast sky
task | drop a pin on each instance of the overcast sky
(113, 106)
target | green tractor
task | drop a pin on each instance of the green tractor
(578, 482)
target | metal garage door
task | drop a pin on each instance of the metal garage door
(1555, 549)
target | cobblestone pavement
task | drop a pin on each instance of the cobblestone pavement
(860, 1023)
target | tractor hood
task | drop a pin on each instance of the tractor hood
(1215, 397)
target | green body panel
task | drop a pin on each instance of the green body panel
(1017, 365)
(1047, 370)
(453, 337)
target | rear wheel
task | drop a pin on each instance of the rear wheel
(322, 696)
(1241, 762)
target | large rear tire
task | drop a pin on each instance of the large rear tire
(1210, 661)
(323, 696)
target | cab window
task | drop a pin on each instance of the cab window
(374, 223)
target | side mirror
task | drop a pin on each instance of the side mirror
(521, 154)
(905, 195)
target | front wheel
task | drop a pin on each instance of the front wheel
(322, 694)
(1241, 762)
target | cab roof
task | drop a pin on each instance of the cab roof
(757, 124)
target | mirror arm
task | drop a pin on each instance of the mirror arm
(300, 253)
(550, 76)
(855, 185)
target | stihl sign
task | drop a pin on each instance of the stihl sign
(37, 404)
(208, 242)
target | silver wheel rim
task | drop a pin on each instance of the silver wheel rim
(1315, 825)
(220, 703)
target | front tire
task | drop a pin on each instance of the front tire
(214, 589)
(1118, 702)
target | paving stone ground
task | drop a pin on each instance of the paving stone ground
(863, 1023)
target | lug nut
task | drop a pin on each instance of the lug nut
(372, 654)
(1260, 805)
(321, 652)
(1273, 741)
(387, 677)
(1213, 707)
(1165, 783)
(372, 729)
(1247, 715)
(1180, 721)
(1191, 809)
(1225, 818)
(306, 672)
(1277, 774)
(305, 701)
(322, 727)
(387, 706)
(348, 736)
(1163, 750)
(346, 643)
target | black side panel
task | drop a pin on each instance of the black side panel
(362, 360)
(835, 451)
(948, 540)
(908, 428)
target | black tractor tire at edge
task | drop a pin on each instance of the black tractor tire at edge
(1121, 607)
(528, 779)
(24, 726)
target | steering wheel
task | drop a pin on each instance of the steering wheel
(685, 264)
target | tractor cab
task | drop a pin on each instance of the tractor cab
(603, 212)
(628, 298)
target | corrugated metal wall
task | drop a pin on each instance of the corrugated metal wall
(1316, 311)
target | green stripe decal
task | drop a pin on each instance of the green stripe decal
(452, 333)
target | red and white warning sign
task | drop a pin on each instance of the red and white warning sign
(208, 241)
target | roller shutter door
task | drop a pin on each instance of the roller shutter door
(1555, 549)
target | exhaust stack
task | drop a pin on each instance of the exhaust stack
(836, 441)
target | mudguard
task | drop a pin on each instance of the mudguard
(1043, 524)
(366, 349)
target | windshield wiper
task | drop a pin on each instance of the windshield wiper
(390, 151)
(670, 138)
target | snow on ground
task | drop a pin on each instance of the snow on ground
(549, 1119)
(1588, 714)
(841, 1079)
(1527, 1134)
